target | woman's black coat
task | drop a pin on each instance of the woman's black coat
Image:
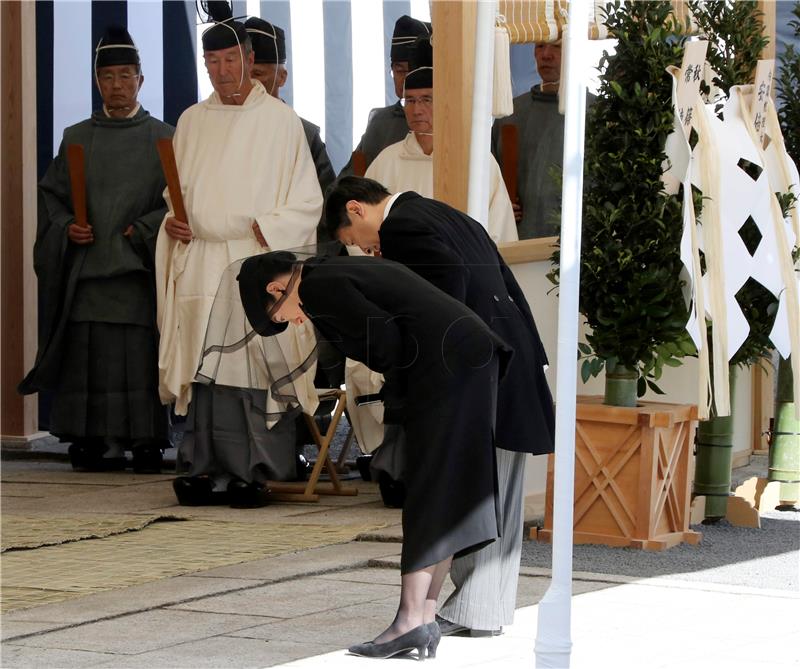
(448, 362)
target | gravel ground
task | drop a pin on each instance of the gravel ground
(760, 558)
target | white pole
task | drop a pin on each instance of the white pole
(553, 638)
(481, 135)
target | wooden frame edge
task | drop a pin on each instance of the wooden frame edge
(528, 250)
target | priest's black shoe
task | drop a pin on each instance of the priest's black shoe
(417, 639)
(363, 462)
(88, 456)
(82, 455)
(147, 458)
(393, 493)
(244, 495)
(194, 490)
(302, 467)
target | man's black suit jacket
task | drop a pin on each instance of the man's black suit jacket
(454, 252)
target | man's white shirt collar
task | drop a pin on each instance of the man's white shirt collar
(389, 204)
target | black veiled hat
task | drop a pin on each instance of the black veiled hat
(269, 41)
(256, 272)
(406, 31)
(420, 64)
(116, 47)
(225, 33)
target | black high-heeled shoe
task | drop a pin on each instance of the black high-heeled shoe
(436, 637)
(419, 638)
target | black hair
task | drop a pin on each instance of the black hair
(275, 264)
(349, 188)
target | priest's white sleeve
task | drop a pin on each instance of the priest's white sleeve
(502, 226)
(293, 222)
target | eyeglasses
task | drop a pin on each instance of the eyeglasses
(422, 101)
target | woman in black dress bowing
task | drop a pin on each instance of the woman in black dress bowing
(442, 365)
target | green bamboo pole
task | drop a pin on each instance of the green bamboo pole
(714, 459)
(620, 386)
(784, 451)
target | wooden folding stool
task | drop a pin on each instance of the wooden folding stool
(312, 489)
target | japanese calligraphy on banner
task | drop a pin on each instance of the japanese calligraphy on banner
(688, 93)
(761, 93)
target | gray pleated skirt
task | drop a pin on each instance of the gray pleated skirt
(226, 435)
(108, 386)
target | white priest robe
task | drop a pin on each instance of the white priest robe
(404, 166)
(237, 164)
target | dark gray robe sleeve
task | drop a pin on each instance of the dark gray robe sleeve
(55, 209)
(146, 226)
(325, 174)
(145, 232)
(55, 215)
(386, 126)
(347, 170)
(56, 265)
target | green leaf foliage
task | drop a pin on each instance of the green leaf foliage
(735, 34)
(788, 91)
(630, 290)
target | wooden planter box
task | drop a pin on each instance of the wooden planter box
(633, 475)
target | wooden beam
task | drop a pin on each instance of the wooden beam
(528, 250)
(18, 415)
(770, 30)
(453, 60)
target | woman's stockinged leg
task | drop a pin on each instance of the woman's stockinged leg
(416, 589)
(440, 572)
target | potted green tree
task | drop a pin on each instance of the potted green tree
(630, 292)
(632, 461)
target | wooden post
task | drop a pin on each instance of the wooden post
(166, 153)
(453, 61)
(769, 22)
(359, 159)
(763, 406)
(76, 161)
(763, 395)
(509, 140)
(18, 415)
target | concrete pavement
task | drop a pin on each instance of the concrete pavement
(300, 606)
